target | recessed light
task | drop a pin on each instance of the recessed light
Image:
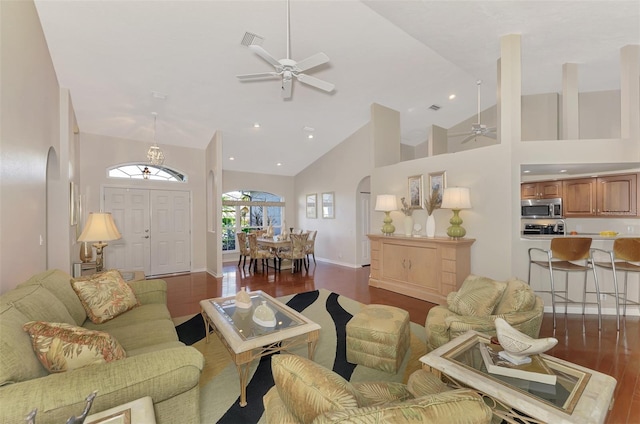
(256, 125)
(526, 171)
(232, 158)
(452, 96)
(278, 164)
(563, 170)
(310, 136)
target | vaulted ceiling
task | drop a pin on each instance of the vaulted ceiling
(123, 60)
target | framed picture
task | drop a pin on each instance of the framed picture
(312, 210)
(328, 205)
(438, 182)
(416, 195)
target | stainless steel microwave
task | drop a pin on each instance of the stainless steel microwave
(541, 208)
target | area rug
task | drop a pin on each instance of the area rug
(220, 384)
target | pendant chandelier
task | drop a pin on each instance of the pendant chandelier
(155, 155)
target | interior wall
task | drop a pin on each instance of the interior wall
(30, 124)
(214, 189)
(339, 171)
(98, 152)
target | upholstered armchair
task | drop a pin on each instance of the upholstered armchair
(307, 392)
(256, 253)
(243, 248)
(311, 245)
(297, 254)
(478, 303)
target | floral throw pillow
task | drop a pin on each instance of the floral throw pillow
(63, 347)
(104, 296)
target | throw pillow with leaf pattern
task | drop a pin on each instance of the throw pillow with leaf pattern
(64, 347)
(105, 295)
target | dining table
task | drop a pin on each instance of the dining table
(274, 244)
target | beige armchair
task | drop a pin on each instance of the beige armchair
(297, 254)
(478, 303)
(307, 392)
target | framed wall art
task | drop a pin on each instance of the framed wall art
(416, 195)
(312, 209)
(328, 205)
(438, 182)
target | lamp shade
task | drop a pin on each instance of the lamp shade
(100, 227)
(386, 203)
(456, 198)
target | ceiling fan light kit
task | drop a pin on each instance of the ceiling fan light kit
(287, 69)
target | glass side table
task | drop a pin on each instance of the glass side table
(580, 395)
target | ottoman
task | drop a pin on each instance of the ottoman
(378, 337)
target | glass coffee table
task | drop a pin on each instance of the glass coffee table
(580, 395)
(246, 340)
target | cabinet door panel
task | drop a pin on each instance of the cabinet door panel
(579, 197)
(617, 195)
(423, 267)
(529, 191)
(394, 261)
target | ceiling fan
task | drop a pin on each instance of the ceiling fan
(477, 129)
(287, 69)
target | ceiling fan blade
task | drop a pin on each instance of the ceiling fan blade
(469, 138)
(262, 75)
(491, 129)
(315, 82)
(287, 83)
(312, 61)
(265, 55)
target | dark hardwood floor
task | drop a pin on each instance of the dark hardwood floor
(579, 341)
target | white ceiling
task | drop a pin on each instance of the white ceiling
(406, 55)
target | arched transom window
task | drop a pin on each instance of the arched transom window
(143, 171)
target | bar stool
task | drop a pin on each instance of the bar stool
(568, 254)
(625, 251)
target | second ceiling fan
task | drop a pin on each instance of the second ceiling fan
(477, 129)
(287, 69)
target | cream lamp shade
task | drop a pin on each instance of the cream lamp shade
(456, 198)
(387, 203)
(99, 228)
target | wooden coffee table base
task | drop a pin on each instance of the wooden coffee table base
(244, 359)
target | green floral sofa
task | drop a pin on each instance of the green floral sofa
(478, 303)
(155, 363)
(306, 392)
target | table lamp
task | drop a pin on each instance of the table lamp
(99, 228)
(387, 203)
(456, 198)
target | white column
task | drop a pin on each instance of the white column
(570, 104)
(630, 92)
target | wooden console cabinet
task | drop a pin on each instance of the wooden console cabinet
(421, 267)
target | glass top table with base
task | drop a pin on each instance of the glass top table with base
(580, 395)
(247, 340)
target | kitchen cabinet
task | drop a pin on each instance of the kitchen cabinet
(421, 267)
(607, 196)
(541, 190)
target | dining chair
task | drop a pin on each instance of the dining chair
(311, 245)
(256, 253)
(566, 254)
(297, 254)
(243, 248)
(625, 252)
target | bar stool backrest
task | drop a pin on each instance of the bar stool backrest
(570, 248)
(627, 249)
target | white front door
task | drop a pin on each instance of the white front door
(155, 227)
(170, 232)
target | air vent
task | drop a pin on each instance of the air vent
(251, 39)
(434, 107)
